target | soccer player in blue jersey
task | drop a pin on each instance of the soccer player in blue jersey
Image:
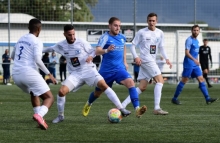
(113, 66)
(191, 67)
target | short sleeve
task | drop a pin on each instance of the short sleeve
(102, 40)
(188, 44)
(38, 48)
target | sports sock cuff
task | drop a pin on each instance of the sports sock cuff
(202, 83)
(138, 90)
(107, 90)
(182, 83)
(61, 98)
(160, 84)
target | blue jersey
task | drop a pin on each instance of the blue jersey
(192, 45)
(113, 60)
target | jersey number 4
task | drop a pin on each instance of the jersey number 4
(19, 55)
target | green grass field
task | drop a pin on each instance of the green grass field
(193, 121)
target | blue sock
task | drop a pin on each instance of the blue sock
(92, 98)
(204, 90)
(134, 96)
(179, 89)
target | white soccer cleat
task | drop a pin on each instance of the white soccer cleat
(160, 112)
(58, 119)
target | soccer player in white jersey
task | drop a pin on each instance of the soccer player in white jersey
(27, 55)
(79, 55)
(149, 40)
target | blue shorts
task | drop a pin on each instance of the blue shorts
(117, 76)
(192, 72)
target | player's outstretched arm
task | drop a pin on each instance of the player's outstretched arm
(48, 49)
(101, 51)
(41, 65)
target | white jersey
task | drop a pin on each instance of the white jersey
(26, 49)
(149, 41)
(75, 54)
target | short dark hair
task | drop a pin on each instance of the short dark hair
(195, 26)
(112, 19)
(151, 15)
(68, 27)
(205, 39)
(34, 24)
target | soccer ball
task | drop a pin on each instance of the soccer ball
(114, 115)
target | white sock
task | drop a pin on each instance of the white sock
(36, 109)
(113, 97)
(43, 110)
(157, 95)
(128, 99)
(61, 104)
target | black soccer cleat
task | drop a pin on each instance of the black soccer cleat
(177, 102)
(211, 100)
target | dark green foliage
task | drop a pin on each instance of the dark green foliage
(51, 10)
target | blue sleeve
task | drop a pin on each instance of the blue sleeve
(188, 44)
(102, 40)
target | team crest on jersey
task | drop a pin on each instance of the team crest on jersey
(122, 40)
(77, 52)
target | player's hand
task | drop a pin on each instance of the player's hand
(126, 66)
(138, 61)
(196, 62)
(89, 59)
(52, 79)
(169, 63)
(110, 48)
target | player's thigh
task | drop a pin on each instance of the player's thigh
(74, 81)
(123, 77)
(159, 79)
(187, 72)
(197, 73)
(205, 67)
(109, 78)
(148, 71)
(33, 82)
(18, 80)
(94, 78)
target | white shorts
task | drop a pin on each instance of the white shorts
(148, 71)
(77, 79)
(31, 81)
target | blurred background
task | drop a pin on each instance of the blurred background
(90, 19)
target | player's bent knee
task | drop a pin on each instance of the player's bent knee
(102, 85)
(200, 79)
(128, 82)
(143, 88)
(47, 95)
(63, 91)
